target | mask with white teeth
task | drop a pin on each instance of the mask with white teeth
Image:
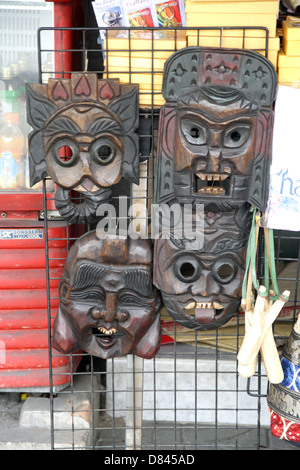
(201, 288)
(108, 304)
(216, 128)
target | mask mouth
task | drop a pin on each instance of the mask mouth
(203, 312)
(213, 184)
(106, 337)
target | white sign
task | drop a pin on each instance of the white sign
(21, 234)
(283, 211)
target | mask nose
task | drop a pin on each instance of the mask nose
(109, 313)
(206, 286)
(85, 159)
(214, 151)
(213, 160)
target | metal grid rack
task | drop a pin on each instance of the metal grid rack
(190, 396)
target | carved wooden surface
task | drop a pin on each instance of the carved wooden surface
(236, 68)
(201, 286)
(108, 304)
(84, 134)
(215, 130)
(214, 150)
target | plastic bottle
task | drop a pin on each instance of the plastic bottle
(11, 154)
(9, 96)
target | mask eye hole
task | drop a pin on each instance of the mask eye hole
(194, 133)
(65, 152)
(103, 152)
(186, 270)
(224, 270)
(237, 136)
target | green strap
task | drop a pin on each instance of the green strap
(267, 269)
(249, 254)
(269, 261)
(272, 265)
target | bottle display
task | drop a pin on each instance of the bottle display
(11, 154)
(14, 129)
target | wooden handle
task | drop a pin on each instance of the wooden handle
(254, 336)
(264, 315)
(247, 370)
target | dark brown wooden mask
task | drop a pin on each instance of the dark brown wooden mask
(202, 288)
(86, 130)
(216, 128)
(108, 304)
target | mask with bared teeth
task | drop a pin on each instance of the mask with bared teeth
(108, 304)
(201, 288)
(216, 128)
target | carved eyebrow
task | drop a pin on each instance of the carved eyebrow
(104, 125)
(87, 275)
(135, 279)
(139, 281)
(205, 119)
(61, 124)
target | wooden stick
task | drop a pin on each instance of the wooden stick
(270, 357)
(248, 370)
(253, 337)
(260, 337)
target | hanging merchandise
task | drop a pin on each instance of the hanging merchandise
(86, 130)
(261, 310)
(144, 14)
(216, 127)
(283, 398)
(201, 285)
(12, 166)
(108, 304)
(214, 150)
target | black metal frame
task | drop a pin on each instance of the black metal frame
(172, 434)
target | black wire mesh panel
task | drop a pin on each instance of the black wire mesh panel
(190, 396)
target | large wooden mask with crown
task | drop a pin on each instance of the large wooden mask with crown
(216, 128)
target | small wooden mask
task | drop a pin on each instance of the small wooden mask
(83, 134)
(108, 304)
(216, 128)
(202, 288)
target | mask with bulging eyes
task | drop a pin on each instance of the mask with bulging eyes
(86, 129)
(108, 304)
(216, 128)
(202, 288)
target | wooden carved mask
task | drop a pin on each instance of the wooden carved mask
(83, 136)
(216, 128)
(202, 288)
(108, 304)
